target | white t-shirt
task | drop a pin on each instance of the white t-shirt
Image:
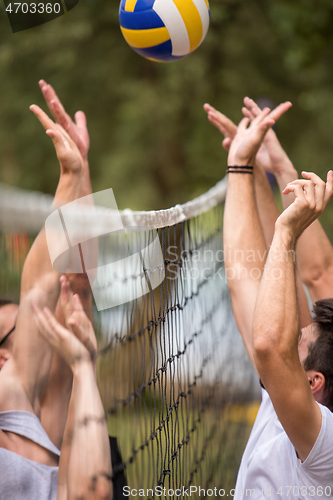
(270, 467)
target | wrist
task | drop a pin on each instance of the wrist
(241, 160)
(83, 367)
(285, 234)
(285, 173)
(71, 174)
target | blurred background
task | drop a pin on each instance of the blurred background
(150, 139)
(152, 143)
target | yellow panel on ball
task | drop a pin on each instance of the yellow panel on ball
(164, 30)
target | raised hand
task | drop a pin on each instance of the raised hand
(271, 154)
(69, 343)
(68, 154)
(77, 130)
(76, 319)
(223, 124)
(248, 139)
(311, 197)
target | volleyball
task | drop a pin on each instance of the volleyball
(164, 30)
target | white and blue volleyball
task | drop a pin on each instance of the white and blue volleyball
(164, 30)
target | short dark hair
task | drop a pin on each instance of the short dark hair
(320, 356)
(5, 302)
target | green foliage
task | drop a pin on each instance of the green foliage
(151, 141)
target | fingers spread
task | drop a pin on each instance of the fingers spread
(254, 109)
(220, 121)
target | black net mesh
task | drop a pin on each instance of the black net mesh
(172, 371)
(173, 374)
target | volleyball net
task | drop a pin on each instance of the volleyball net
(175, 381)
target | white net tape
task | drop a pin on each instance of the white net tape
(22, 210)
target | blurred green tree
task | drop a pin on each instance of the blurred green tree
(151, 141)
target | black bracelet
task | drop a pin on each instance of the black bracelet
(236, 169)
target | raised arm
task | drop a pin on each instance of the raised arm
(276, 322)
(267, 207)
(244, 244)
(25, 375)
(57, 395)
(86, 465)
(78, 132)
(270, 153)
(314, 250)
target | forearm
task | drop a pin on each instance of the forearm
(268, 213)
(86, 181)
(284, 174)
(38, 263)
(276, 320)
(314, 250)
(315, 262)
(59, 388)
(244, 250)
(79, 282)
(66, 451)
(89, 467)
(39, 284)
(245, 247)
(267, 207)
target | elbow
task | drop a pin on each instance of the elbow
(270, 348)
(99, 488)
(316, 273)
(104, 490)
(263, 355)
(267, 343)
(262, 348)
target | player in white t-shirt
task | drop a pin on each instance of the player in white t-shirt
(290, 452)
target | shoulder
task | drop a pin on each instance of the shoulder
(320, 457)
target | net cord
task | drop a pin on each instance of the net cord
(24, 210)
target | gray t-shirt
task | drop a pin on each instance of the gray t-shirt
(21, 478)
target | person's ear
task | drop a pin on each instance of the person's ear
(316, 380)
